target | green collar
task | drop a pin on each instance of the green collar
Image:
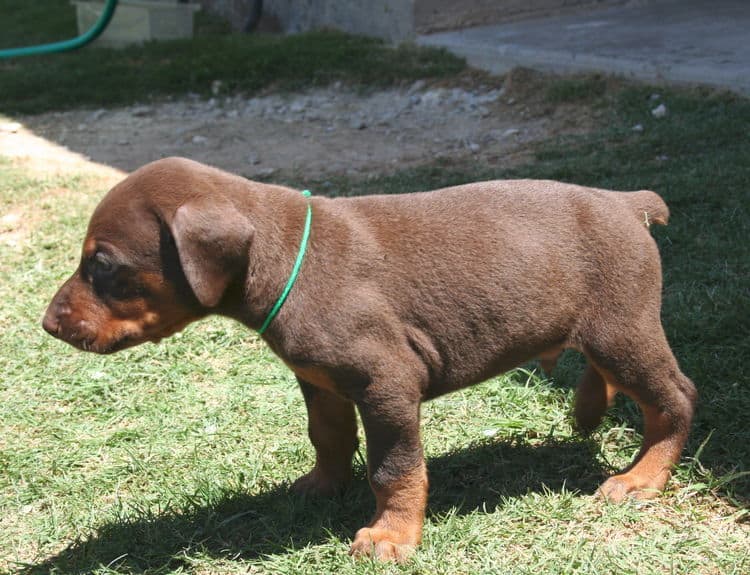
(295, 270)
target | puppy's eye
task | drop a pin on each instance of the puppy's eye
(102, 264)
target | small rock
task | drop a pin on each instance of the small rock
(123, 142)
(458, 97)
(491, 96)
(510, 101)
(433, 97)
(252, 108)
(253, 159)
(141, 111)
(416, 87)
(660, 111)
(510, 132)
(216, 86)
(265, 172)
(662, 158)
(637, 128)
(199, 140)
(297, 107)
(233, 114)
(655, 97)
(96, 115)
(489, 432)
(385, 120)
(357, 124)
(473, 146)
(82, 127)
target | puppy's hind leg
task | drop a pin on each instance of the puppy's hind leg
(593, 396)
(643, 367)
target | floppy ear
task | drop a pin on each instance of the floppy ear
(212, 240)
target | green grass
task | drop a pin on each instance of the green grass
(577, 89)
(176, 458)
(243, 63)
(24, 23)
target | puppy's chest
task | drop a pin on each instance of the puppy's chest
(346, 382)
(314, 375)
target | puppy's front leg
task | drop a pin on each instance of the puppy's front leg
(332, 426)
(397, 474)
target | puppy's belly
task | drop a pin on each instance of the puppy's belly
(466, 361)
(462, 377)
(436, 363)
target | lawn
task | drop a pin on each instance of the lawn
(177, 458)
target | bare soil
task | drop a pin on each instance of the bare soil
(321, 132)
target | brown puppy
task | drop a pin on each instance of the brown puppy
(399, 299)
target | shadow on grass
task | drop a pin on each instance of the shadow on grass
(242, 526)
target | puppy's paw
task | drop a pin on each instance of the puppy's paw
(382, 544)
(620, 487)
(319, 484)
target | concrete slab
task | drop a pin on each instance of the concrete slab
(680, 41)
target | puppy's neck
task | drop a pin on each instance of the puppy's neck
(278, 216)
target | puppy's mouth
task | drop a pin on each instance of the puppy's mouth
(91, 344)
(131, 340)
(117, 345)
(110, 347)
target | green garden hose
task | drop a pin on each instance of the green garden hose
(72, 44)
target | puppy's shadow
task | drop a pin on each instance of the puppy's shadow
(243, 526)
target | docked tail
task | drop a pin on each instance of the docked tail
(649, 207)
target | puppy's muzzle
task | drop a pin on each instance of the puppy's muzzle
(58, 321)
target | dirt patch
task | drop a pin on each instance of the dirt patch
(316, 133)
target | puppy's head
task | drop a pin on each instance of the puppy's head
(161, 250)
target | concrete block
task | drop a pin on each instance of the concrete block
(389, 19)
(137, 21)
